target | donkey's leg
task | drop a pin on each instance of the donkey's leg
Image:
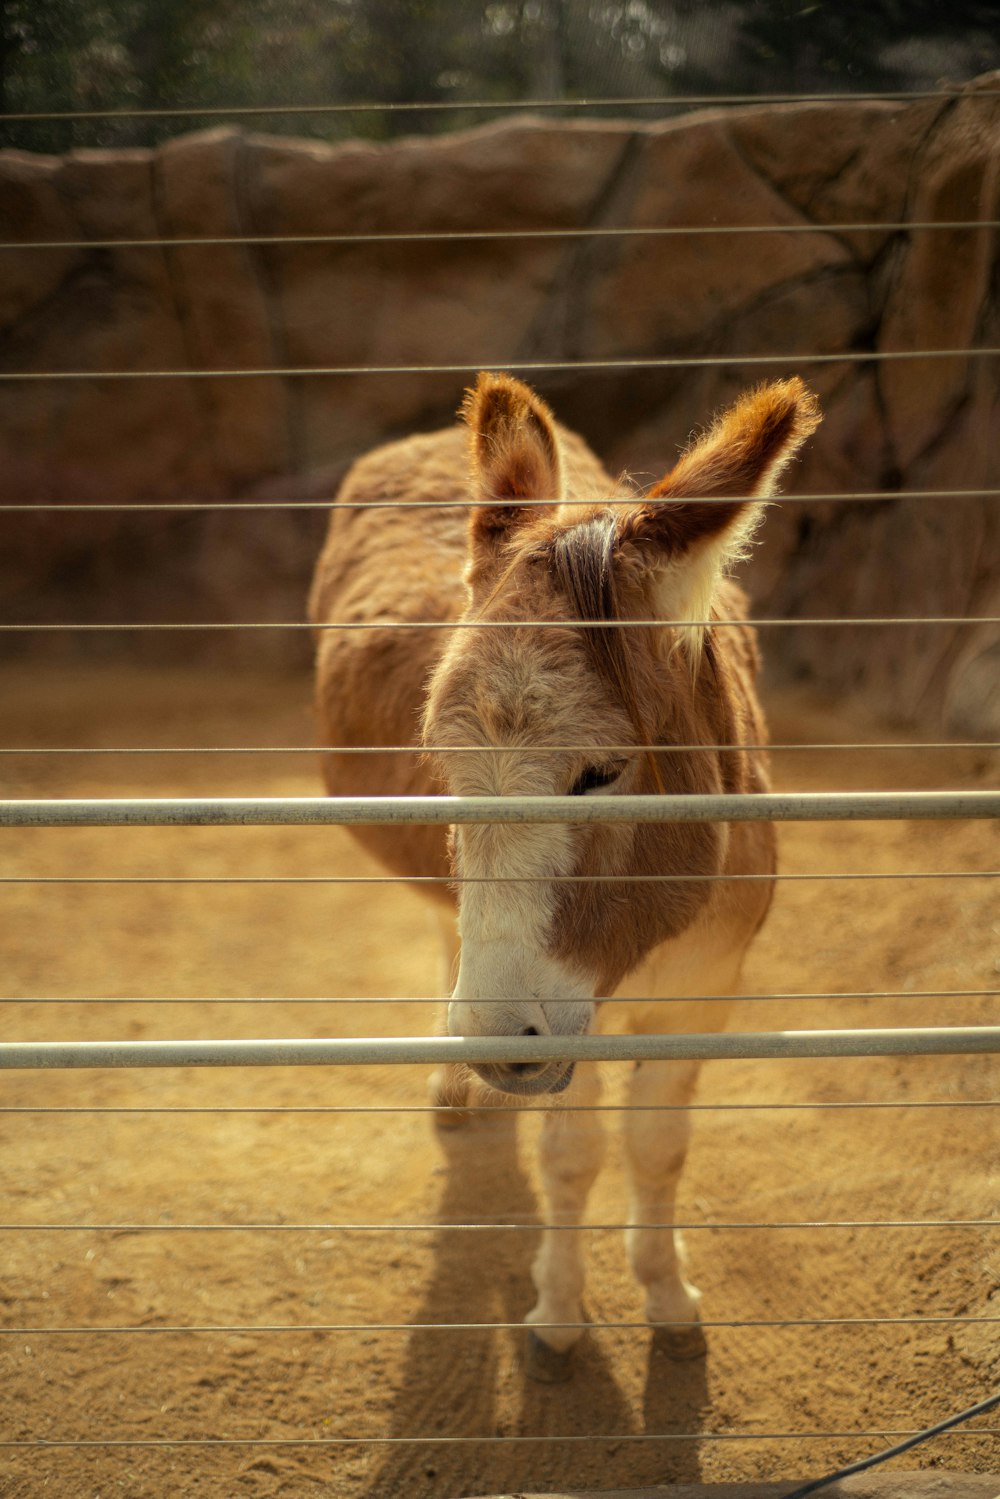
(570, 1153)
(449, 1086)
(658, 1126)
(656, 1144)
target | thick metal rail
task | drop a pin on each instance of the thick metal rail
(425, 1050)
(272, 811)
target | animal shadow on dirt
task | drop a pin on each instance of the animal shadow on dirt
(471, 1383)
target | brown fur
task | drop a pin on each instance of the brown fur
(521, 700)
(573, 559)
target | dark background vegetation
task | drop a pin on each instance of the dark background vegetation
(195, 55)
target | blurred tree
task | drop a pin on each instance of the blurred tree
(65, 56)
(405, 51)
(784, 46)
(105, 55)
(843, 44)
(100, 55)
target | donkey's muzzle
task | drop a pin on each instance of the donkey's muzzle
(555, 1019)
(527, 1079)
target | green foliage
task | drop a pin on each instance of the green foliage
(816, 44)
(202, 55)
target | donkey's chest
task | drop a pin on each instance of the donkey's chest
(681, 984)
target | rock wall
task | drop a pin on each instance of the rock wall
(173, 312)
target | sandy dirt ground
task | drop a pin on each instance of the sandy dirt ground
(314, 1355)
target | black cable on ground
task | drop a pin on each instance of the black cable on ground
(881, 1457)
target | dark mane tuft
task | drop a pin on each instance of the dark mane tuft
(583, 567)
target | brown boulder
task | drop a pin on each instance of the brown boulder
(330, 347)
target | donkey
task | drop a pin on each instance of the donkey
(542, 706)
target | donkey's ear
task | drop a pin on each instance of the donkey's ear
(515, 456)
(699, 519)
(746, 448)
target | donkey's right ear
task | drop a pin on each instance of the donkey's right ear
(694, 524)
(515, 457)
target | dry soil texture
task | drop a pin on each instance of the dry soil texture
(179, 1351)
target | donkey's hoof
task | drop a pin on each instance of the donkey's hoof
(680, 1343)
(546, 1365)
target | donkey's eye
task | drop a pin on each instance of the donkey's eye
(596, 776)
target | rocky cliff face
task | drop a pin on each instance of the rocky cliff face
(848, 267)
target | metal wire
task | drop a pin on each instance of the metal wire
(88, 1443)
(228, 1328)
(485, 1226)
(472, 236)
(524, 366)
(502, 106)
(450, 880)
(511, 1108)
(144, 626)
(489, 749)
(878, 496)
(611, 999)
(285, 1328)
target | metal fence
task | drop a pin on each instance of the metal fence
(895, 1040)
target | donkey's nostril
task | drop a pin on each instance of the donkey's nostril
(527, 1069)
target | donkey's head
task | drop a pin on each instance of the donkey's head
(525, 702)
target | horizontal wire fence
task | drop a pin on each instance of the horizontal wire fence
(508, 106)
(611, 1000)
(520, 366)
(489, 236)
(45, 507)
(139, 626)
(938, 1040)
(47, 813)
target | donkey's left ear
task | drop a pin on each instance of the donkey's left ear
(699, 519)
(515, 457)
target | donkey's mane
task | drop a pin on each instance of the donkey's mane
(582, 562)
(581, 559)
